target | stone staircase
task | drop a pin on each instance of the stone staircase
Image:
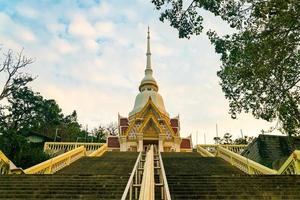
(191, 176)
(102, 177)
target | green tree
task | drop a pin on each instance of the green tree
(70, 129)
(29, 111)
(227, 139)
(243, 140)
(217, 140)
(100, 133)
(260, 70)
(23, 154)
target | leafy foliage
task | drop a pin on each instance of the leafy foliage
(227, 139)
(100, 133)
(260, 70)
(243, 140)
(24, 154)
(28, 112)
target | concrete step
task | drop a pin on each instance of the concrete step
(191, 176)
(88, 178)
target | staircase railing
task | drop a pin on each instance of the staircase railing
(4, 164)
(236, 148)
(141, 184)
(131, 190)
(100, 151)
(67, 146)
(246, 165)
(205, 153)
(147, 191)
(165, 191)
(53, 165)
(290, 167)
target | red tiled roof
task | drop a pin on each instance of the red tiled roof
(113, 142)
(124, 122)
(185, 143)
(174, 122)
(175, 129)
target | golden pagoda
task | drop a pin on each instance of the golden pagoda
(149, 122)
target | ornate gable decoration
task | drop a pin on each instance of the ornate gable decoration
(150, 114)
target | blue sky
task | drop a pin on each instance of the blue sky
(90, 56)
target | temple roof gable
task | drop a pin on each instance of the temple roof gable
(150, 111)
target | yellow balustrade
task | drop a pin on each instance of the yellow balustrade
(292, 165)
(53, 165)
(4, 164)
(204, 152)
(244, 164)
(99, 151)
(237, 148)
(67, 146)
(147, 191)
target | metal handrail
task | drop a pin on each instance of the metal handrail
(167, 195)
(130, 180)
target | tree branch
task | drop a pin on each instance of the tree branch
(11, 67)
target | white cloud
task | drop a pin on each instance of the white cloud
(105, 29)
(91, 44)
(63, 46)
(103, 9)
(27, 11)
(16, 31)
(26, 35)
(55, 27)
(81, 27)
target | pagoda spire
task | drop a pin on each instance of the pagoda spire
(148, 87)
(148, 54)
(148, 81)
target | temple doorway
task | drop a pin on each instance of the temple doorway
(149, 142)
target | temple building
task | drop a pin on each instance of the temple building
(149, 122)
